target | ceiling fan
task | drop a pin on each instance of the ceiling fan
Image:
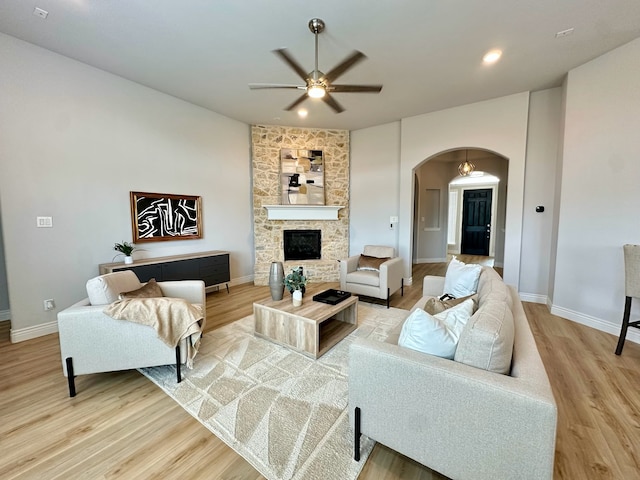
(319, 84)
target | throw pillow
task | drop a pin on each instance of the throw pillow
(435, 305)
(370, 263)
(150, 290)
(436, 334)
(461, 280)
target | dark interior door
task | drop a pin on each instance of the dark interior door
(476, 222)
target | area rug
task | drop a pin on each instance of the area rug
(285, 413)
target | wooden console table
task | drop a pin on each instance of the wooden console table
(211, 267)
(312, 328)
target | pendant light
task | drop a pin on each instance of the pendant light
(466, 167)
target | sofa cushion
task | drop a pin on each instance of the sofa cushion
(150, 290)
(435, 334)
(487, 339)
(364, 277)
(490, 283)
(106, 289)
(365, 262)
(461, 280)
(434, 305)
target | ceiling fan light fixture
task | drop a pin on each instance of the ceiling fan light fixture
(316, 91)
(492, 56)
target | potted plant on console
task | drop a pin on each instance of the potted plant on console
(126, 249)
(295, 283)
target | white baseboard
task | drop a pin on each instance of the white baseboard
(498, 264)
(431, 260)
(5, 315)
(36, 331)
(633, 334)
(533, 298)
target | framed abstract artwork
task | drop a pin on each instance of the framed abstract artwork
(157, 217)
(301, 177)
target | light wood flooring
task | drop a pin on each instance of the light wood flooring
(122, 426)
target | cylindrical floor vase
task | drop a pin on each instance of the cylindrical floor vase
(276, 280)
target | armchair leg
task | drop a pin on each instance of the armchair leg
(70, 377)
(625, 325)
(356, 439)
(388, 296)
(402, 287)
(178, 363)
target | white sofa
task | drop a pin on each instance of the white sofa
(92, 342)
(464, 421)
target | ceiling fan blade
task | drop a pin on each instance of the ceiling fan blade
(297, 102)
(329, 100)
(257, 86)
(356, 88)
(289, 60)
(343, 66)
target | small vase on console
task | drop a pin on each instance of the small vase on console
(276, 280)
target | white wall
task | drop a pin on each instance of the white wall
(545, 117)
(498, 125)
(600, 188)
(375, 160)
(74, 141)
(4, 286)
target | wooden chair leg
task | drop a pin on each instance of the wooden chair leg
(625, 325)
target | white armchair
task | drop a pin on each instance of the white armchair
(92, 342)
(362, 276)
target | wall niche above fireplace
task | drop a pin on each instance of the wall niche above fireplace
(302, 244)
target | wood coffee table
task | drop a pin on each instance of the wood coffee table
(312, 328)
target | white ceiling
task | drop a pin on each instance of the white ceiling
(427, 54)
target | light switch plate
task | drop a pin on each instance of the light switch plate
(44, 222)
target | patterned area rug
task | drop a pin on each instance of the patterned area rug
(285, 413)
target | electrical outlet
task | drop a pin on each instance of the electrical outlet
(49, 304)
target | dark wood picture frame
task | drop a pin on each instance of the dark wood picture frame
(157, 217)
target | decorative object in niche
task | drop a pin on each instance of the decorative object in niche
(302, 177)
(159, 216)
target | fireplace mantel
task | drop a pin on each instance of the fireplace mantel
(302, 212)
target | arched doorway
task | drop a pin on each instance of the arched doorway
(434, 197)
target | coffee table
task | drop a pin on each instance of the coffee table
(311, 329)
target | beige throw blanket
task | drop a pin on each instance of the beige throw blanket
(172, 318)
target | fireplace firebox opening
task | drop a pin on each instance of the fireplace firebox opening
(302, 245)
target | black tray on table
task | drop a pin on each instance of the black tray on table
(331, 296)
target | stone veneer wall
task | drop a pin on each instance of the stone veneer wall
(266, 143)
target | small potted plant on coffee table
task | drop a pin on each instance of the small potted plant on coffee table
(295, 283)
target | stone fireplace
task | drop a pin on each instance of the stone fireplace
(266, 143)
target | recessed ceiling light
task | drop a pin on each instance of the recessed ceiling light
(302, 113)
(492, 56)
(38, 12)
(564, 33)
